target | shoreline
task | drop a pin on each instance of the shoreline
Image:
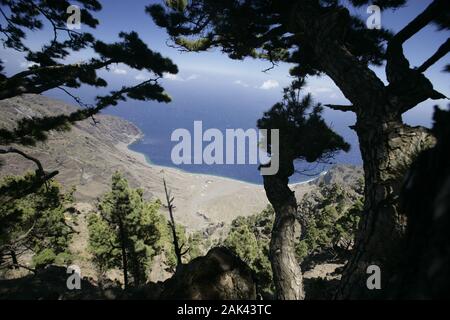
(146, 161)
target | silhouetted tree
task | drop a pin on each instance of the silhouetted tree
(426, 200)
(324, 37)
(304, 135)
(177, 246)
(49, 70)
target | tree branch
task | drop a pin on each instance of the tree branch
(420, 22)
(42, 175)
(172, 225)
(397, 67)
(440, 53)
(40, 169)
(22, 82)
(337, 107)
(409, 87)
(28, 127)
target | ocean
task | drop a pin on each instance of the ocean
(219, 110)
(220, 104)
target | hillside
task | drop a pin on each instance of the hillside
(89, 154)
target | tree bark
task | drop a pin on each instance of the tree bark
(386, 145)
(286, 229)
(387, 149)
(14, 259)
(124, 253)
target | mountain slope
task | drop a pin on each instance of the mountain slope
(89, 154)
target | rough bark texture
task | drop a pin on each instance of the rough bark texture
(124, 253)
(386, 146)
(386, 152)
(425, 198)
(286, 229)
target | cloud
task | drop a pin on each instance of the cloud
(174, 77)
(192, 77)
(119, 71)
(171, 77)
(318, 89)
(27, 65)
(141, 77)
(241, 83)
(269, 84)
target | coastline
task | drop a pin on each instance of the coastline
(146, 161)
(207, 201)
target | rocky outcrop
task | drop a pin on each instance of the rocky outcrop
(47, 284)
(220, 275)
(86, 156)
(343, 175)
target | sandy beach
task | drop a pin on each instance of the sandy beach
(88, 156)
(203, 200)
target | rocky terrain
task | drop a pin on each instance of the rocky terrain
(88, 155)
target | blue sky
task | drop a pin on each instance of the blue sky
(238, 77)
(225, 93)
(211, 78)
(119, 15)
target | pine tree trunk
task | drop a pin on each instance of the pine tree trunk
(386, 146)
(14, 259)
(135, 271)
(387, 149)
(124, 253)
(286, 229)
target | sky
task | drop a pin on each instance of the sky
(211, 77)
(247, 75)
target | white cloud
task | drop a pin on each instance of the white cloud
(27, 65)
(192, 77)
(241, 83)
(141, 77)
(174, 77)
(119, 71)
(269, 84)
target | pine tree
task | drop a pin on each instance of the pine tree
(303, 135)
(36, 224)
(126, 234)
(327, 37)
(50, 70)
(249, 239)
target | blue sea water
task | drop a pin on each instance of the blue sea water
(217, 109)
(220, 104)
(157, 146)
